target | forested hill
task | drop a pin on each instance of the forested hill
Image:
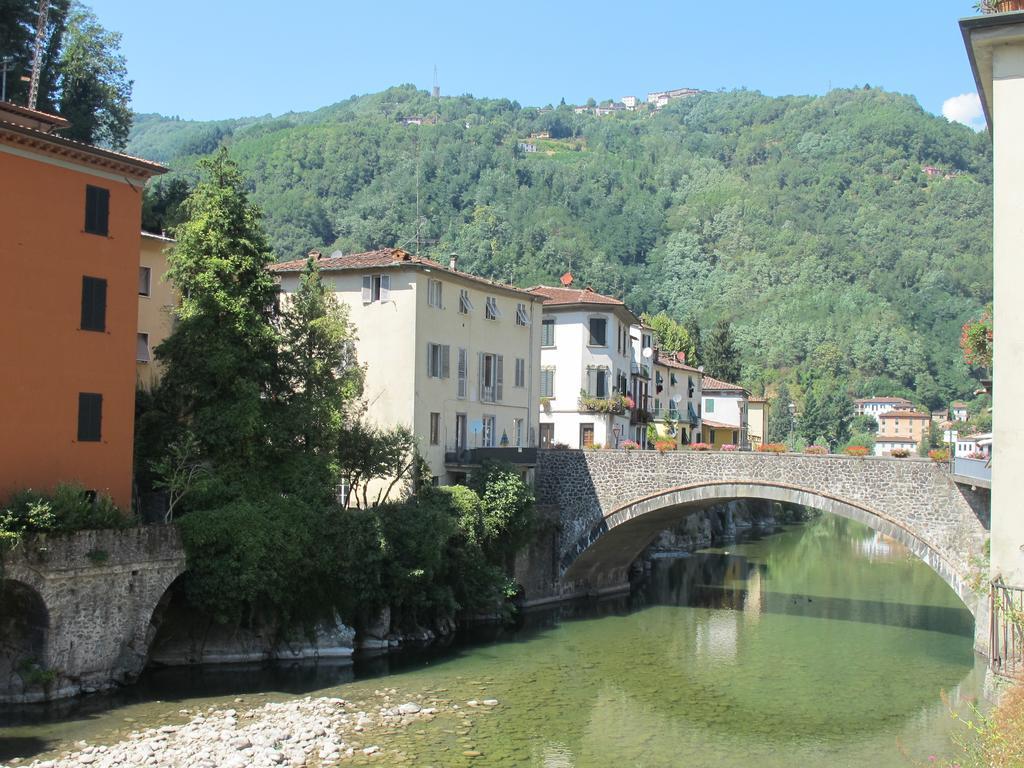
(806, 221)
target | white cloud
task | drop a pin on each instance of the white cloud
(966, 109)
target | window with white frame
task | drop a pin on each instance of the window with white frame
(465, 305)
(462, 373)
(520, 372)
(487, 437)
(491, 311)
(522, 318)
(547, 332)
(376, 288)
(438, 361)
(491, 375)
(434, 294)
(145, 281)
(142, 347)
(547, 382)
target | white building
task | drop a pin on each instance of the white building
(886, 444)
(585, 361)
(676, 399)
(876, 406)
(659, 99)
(630, 102)
(958, 410)
(970, 446)
(723, 413)
(448, 354)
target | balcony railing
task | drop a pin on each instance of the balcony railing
(973, 471)
(474, 457)
(613, 404)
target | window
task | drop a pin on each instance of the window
(522, 318)
(465, 305)
(434, 295)
(90, 417)
(435, 428)
(491, 375)
(586, 435)
(711, 405)
(547, 435)
(376, 288)
(487, 438)
(520, 372)
(342, 491)
(598, 332)
(597, 382)
(145, 280)
(437, 361)
(97, 210)
(142, 347)
(462, 373)
(547, 382)
(547, 332)
(94, 304)
(491, 311)
(647, 341)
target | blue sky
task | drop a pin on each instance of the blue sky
(227, 58)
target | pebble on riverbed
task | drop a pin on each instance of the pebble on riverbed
(291, 734)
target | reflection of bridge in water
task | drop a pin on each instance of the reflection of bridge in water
(611, 504)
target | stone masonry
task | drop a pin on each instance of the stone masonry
(613, 503)
(100, 590)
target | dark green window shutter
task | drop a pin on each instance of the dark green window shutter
(90, 417)
(94, 304)
(97, 210)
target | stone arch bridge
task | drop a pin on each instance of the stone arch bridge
(77, 611)
(611, 504)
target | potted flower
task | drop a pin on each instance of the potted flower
(728, 448)
(665, 445)
(545, 404)
(938, 454)
(899, 453)
(856, 450)
(630, 445)
(700, 447)
(816, 450)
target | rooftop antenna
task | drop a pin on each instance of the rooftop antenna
(436, 93)
(417, 140)
(37, 57)
(5, 63)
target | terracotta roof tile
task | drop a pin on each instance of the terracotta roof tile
(881, 400)
(718, 424)
(672, 362)
(383, 258)
(711, 384)
(904, 415)
(556, 296)
(95, 154)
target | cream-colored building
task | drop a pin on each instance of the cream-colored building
(676, 399)
(448, 354)
(757, 421)
(724, 419)
(157, 302)
(995, 45)
(586, 356)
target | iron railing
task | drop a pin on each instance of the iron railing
(1007, 630)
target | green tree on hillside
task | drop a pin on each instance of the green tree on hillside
(95, 91)
(672, 337)
(692, 327)
(221, 366)
(322, 378)
(780, 419)
(721, 359)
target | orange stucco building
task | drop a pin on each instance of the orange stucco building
(69, 248)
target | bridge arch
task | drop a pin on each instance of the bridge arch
(24, 631)
(605, 551)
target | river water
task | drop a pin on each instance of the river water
(823, 644)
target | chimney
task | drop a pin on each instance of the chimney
(566, 279)
(315, 255)
(453, 261)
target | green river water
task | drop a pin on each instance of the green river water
(822, 645)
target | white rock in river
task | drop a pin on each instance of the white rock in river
(411, 708)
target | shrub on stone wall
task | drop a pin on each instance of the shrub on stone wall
(856, 450)
(772, 448)
(816, 450)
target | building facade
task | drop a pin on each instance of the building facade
(905, 429)
(450, 355)
(586, 357)
(157, 301)
(757, 421)
(724, 416)
(876, 406)
(69, 218)
(959, 411)
(676, 400)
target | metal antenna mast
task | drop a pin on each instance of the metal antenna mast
(5, 65)
(436, 93)
(37, 58)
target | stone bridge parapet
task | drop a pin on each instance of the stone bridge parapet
(643, 492)
(96, 591)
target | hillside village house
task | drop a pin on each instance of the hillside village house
(973, 446)
(900, 429)
(157, 302)
(70, 248)
(586, 356)
(724, 413)
(958, 409)
(448, 354)
(995, 46)
(757, 421)
(876, 406)
(676, 400)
